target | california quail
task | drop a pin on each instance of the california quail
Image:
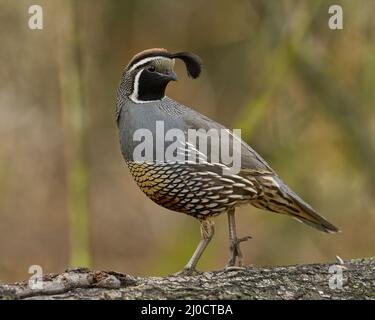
(199, 189)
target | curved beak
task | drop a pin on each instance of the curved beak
(171, 75)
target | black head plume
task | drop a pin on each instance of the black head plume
(192, 62)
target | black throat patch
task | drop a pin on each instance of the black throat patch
(151, 86)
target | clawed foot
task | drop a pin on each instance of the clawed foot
(187, 272)
(235, 253)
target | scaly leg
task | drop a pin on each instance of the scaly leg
(207, 232)
(234, 242)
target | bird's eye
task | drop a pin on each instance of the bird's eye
(151, 68)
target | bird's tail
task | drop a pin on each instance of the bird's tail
(310, 217)
(281, 199)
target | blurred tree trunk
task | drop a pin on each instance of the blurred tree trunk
(343, 107)
(75, 130)
(278, 64)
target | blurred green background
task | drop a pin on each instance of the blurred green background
(302, 94)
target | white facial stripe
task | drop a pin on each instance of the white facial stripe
(134, 95)
(146, 60)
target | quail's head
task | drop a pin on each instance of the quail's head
(148, 73)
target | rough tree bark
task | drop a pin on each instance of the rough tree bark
(290, 282)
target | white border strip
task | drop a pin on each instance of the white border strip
(145, 60)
